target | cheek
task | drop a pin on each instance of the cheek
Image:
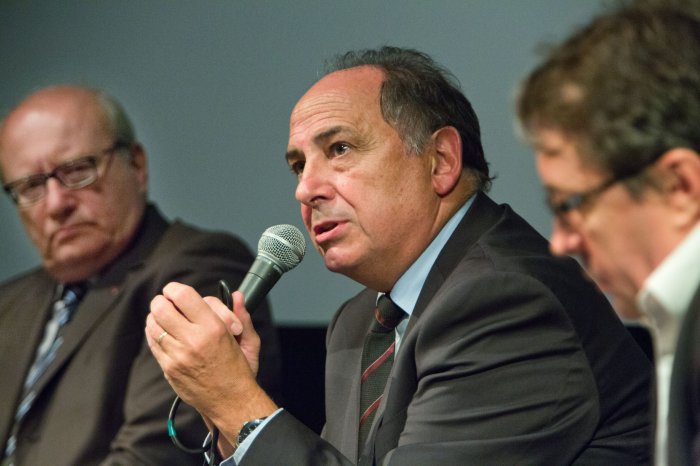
(34, 224)
(612, 246)
(100, 209)
(113, 204)
(306, 217)
(598, 237)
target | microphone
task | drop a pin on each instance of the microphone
(280, 249)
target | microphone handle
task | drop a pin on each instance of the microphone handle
(259, 280)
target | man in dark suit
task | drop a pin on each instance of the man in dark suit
(79, 178)
(505, 354)
(614, 117)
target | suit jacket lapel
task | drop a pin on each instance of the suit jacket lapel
(88, 314)
(104, 293)
(482, 215)
(23, 322)
(343, 372)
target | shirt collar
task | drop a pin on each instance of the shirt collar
(674, 282)
(406, 290)
(667, 292)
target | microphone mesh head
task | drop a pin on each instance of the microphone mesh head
(284, 245)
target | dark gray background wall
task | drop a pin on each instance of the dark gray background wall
(210, 85)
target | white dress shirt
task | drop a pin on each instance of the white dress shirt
(663, 301)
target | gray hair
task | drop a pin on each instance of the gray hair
(119, 122)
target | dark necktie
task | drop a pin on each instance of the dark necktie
(62, 311)
(377, 359)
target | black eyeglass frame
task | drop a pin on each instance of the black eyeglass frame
(40, 179)
(577, 200)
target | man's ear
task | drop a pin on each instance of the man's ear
(680, 168)
(139, 163)
(446, 161)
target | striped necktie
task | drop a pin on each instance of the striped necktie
(377, 359)
(62, 311)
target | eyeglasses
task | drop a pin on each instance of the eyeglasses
(576, 201)
(75, 174)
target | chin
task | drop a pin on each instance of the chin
(338, 263)
(333, 266)
(69, 274)
(71, 268)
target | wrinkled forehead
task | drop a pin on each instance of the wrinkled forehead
(320, 106)
(551, 141)
(348, 98)
(560, 161)
(353, 86)
(43, 132)
(54, 113)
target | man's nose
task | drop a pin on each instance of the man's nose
(58, 197)
(565, 240)
(314, 184)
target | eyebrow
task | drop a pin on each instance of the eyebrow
(46, 174)
(319, 139)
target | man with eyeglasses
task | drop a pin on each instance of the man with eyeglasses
(614, 117)
(78, 385)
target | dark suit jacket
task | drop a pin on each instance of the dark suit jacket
(684, 403)
(104, 399)
(510, 357)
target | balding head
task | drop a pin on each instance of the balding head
(78, 232)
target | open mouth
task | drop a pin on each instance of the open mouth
(324, 227)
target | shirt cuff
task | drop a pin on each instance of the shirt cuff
(237, 456)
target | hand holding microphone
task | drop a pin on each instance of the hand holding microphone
(280, 248)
